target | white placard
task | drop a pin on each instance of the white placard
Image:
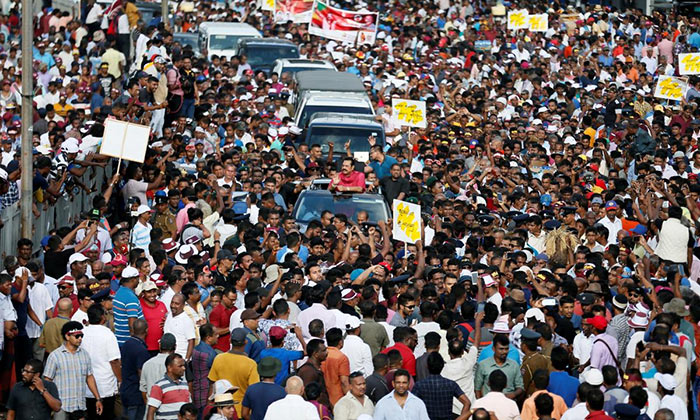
(125, 140)
(407, 221)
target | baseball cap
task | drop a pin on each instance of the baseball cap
(77, 257)
(666, 380)
(277, 332)
(130, 272)
(611, 205)
(249, 314)
(598, 322)
(143, 209)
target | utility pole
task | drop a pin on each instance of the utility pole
(27, 118)
(164, 14)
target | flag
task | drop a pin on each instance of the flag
(112, 9)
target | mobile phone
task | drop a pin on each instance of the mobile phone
(475, 277)
(549, 302)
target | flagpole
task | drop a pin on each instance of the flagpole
(27, 119)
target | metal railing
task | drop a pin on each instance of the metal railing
(65, 212)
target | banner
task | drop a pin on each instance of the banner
(268, 5)
(409, 113)
(343, 25)
(669, 87)
(689, 63)
(482, 45)
(518, 19)
(539, 22)
(298, 11)
(407, 221)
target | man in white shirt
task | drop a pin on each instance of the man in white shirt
(583, 343)
(495, 400)
(427, 312)
(42, 305)
(101, 344)
(611, 221)
(179, 324)
(580, 410)
(293, 406)
(357, 351)
(666, 388)
(491, 290)
(316, 311)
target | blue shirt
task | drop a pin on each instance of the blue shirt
(253, 347)
(389, 409)
(126, 305)
(286, 357)
(259, 396)
(564, 385)
(437, 392)
(208, 350)
(487, 352)
(382, 169)
(134, 355)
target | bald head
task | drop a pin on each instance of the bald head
(295, 385)
(139, 328)
(65, 306)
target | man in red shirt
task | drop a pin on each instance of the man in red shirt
(220, 318)
(406, 339)
(154, 312)
(348, 180)
(594, 403)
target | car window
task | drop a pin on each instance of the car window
(310, 206)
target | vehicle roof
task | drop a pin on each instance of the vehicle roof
(379, 197)
(343, 119)
(348, 98)
(306, 61)
(329, 80)
(229, 26)
(267, 41)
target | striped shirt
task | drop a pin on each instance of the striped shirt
(126, 305)
(167, 396)
(69, 372)
(141, 236)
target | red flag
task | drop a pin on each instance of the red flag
(116, 4)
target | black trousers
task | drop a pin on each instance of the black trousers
(107, 408)
(23, 353)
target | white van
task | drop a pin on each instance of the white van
(221, 38)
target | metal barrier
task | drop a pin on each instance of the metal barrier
(65, 212)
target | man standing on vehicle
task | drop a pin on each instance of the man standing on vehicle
(348, 180)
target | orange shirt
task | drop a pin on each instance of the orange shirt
(529, 412)
(335, 366)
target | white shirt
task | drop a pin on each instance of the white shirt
(675, 404)
(40, 301)
(632, 346)
(101, 344)
(235, 320)
(461, 370)
(80, 316)
(182, 328)
(613, 227)
(7, 313)
(50, 284)
(359, 355)
(577, 412)
(315, 311)
(673, 241)
(502, 406)
(291, 407)
(423, 328)
(582, 347)
(389, 331)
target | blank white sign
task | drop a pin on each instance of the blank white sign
(125, 140)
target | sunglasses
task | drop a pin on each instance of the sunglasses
(409, 306)
(79, 336)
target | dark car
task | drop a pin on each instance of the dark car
(262, 52)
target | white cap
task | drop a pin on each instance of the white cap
(352, 322)
(534, 313)
(639, 320)
(143, 209)
(500, 327)
(222, 386)
(70, 147)
(594, 377)
(77, 257)
(667, 381)
(130, 272)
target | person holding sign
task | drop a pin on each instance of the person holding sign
(348, 180)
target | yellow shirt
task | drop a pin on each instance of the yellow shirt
(132, 13)
(237, 368)
(113, 57)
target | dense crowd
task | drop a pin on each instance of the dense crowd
(556, 271)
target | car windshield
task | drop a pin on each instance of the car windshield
(261, 55)
(310, 207)
(187, 40)
(359, 138)
(223, 42)
(310, 110)
(294, 70)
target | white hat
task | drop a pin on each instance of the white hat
(77, 257)
(222, 386)
(502, 100)
(185, 253)
(534, 313)
(352, 322)
(145, 286)
(500, 327)
(639, 320)
(143, 209)
(130, 272)
(667, 381)
(70, 147)
(593, 377)
(489, 281)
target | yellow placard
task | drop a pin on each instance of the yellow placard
(689, 63)
(268, 5)
(409, 113)
(406, 221)
(539, 22)
(518, 19)
(669, 87)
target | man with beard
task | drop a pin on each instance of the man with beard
(400, 402)
(37, 397)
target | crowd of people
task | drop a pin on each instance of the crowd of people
(555, 274)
